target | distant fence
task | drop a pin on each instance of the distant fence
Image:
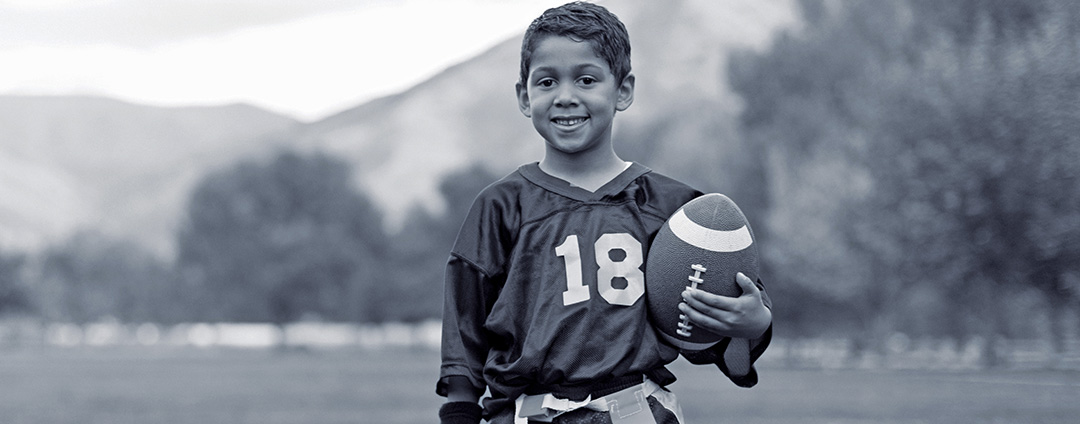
(313, 335)
(901, 352)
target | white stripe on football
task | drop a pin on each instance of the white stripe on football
(708, 238)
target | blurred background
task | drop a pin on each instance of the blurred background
(255, 200)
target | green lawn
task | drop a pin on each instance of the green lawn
(185, 385)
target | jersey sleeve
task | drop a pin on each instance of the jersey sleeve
(473, 280)
(464, 345)
(715, 354)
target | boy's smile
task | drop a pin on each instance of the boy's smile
(572, 96)
(569, 122)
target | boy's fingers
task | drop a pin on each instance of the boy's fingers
(700, 319)
(747, 286)
(723, 314)
(701, 299)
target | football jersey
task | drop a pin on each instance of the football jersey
(545, 284)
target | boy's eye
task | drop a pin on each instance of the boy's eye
(546, 82)
(588, 80)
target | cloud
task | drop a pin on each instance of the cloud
(147, 24)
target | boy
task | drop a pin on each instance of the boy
(544, 285)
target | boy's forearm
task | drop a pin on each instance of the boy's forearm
(460, 406)
(459, 389)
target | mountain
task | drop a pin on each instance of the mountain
(120, 168)
(683, 115)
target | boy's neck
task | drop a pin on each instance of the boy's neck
(589, 172)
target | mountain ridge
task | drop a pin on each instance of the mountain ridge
(71, 162)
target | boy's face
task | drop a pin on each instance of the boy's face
(572, 96)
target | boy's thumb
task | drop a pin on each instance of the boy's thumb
(745, 283)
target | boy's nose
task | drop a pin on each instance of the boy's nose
(565, 97)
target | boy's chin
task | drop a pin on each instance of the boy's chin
(570, 148)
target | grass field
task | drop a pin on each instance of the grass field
(187, 385)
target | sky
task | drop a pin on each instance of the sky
(306, 59)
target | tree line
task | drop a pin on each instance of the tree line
(922, 163)
(278, 240)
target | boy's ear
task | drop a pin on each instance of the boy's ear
(626, 93)
(523, 100)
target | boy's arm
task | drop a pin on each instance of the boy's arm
(748, 316)
(461, 405)
(464, 345)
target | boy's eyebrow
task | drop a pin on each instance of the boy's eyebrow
(577, 68)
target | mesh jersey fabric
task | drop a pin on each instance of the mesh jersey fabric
(545, 285)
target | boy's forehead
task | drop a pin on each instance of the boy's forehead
(563, 50)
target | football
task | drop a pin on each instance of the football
(703, 245)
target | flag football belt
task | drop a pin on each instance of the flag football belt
(626, 406)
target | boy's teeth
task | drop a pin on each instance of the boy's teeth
(567, 121)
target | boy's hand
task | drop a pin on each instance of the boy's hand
(742, 317)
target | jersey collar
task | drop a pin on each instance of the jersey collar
(534, 174)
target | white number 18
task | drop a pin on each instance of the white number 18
(629, 268)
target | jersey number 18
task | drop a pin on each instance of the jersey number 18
(629, 269)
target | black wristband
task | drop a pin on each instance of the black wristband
(460, 413)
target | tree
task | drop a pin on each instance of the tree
(973, 146)
(277, 241)
(924, 157)
(92, 276)
(423, 245)
(14, 296)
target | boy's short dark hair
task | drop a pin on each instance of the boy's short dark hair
(581, 21)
